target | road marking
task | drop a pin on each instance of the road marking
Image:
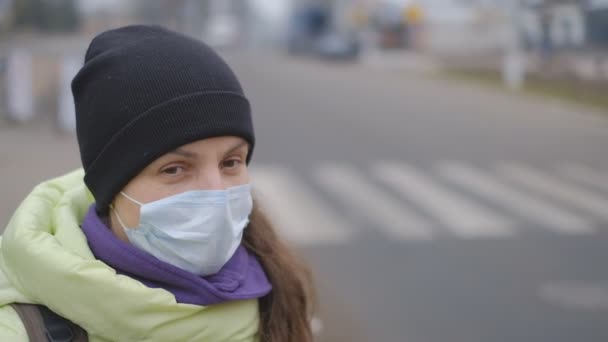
(463, 217)
(534, 179)
(584, 175)
(367, 200)
(300, 215)
(576, 295)
(485, 185)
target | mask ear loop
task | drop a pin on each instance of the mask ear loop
(131, 198)
(122, 224)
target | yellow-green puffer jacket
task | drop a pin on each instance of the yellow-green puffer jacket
(45, 259)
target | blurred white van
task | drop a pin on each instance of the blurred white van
(222, 31)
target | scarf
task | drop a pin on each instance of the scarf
(242, 277)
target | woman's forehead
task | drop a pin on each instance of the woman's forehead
(215, 146)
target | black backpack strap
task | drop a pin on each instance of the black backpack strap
(32, 321)
(43, 325)
(57, 328)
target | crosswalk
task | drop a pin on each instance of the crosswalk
(334, 203)
(528, 205)
(462, 216)
(370, 202)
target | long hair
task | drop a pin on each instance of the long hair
(285, 312)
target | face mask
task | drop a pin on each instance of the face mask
(197, 231)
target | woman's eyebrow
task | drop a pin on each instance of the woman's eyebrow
(236, 147)
(183, 153)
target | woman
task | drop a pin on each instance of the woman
(162, 241)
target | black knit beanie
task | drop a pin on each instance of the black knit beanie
(144, 91)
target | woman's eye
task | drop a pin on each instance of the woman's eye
(231, 163)
(172, 170)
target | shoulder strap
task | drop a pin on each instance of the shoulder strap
(32, 320)
(43, 325)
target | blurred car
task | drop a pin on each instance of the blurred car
(307, 25)
(339, 46)
(222, 31)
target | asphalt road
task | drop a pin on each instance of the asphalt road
(430, 210)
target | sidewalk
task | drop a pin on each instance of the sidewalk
(584, 65)
(23, 148)
(400, 60)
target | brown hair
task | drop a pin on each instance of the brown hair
(286, 311)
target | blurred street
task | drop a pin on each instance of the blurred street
(430, 210)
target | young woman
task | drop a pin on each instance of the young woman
(158, 237)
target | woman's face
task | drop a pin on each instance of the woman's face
(208, 164)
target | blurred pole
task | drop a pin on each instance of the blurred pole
(191, 18)
(513, 69)
(218, 7)
(253, 26)
(340, 14)
(66, 114)
(19, 86)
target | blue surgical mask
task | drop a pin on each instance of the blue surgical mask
(197, 231)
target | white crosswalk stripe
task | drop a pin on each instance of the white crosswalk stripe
(585, 175)
(367, 200)
(405, 203)
(489, 187)
(458, 214)
(300, 216)
(538, 181)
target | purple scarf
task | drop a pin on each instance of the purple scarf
(241, 278)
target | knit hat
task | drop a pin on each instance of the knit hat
(144, 91)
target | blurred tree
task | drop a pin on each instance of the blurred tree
(46, 15)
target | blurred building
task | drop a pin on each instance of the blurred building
(553, 24)
(5, 13)
(99, 15)
(472, 27)
(596, 17)
(566, 24)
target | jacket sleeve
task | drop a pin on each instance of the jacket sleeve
(11, 327)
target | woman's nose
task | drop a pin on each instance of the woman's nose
(210, 180)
